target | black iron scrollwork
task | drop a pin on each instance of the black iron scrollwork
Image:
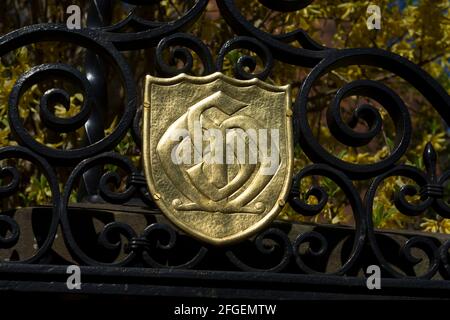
(431, 194)
(8, 221)
(250, 62)
(93, 41)
(182, 54)
(300, 206)
(102, 239)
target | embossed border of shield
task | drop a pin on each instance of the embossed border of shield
(216, 212)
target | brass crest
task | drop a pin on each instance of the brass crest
(217, 153)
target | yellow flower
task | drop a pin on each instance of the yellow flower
(430, 225)
(444, 226)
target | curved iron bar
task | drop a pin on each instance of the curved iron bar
(250, 62)
(423, 82)
(309, 55)
(278, 240)
(105, 192)
(154, 32)
(182, 54)
(301, 207)
(431, 191)
(7, 242)
(88, 39)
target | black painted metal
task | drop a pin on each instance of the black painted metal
(99, 15)
(120, 254)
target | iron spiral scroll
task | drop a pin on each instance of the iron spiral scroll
(95, 235)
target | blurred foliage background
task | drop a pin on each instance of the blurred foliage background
(417, 30)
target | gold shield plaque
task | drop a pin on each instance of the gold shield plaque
(217, 153)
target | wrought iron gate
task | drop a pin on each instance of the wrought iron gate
(123, 257)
